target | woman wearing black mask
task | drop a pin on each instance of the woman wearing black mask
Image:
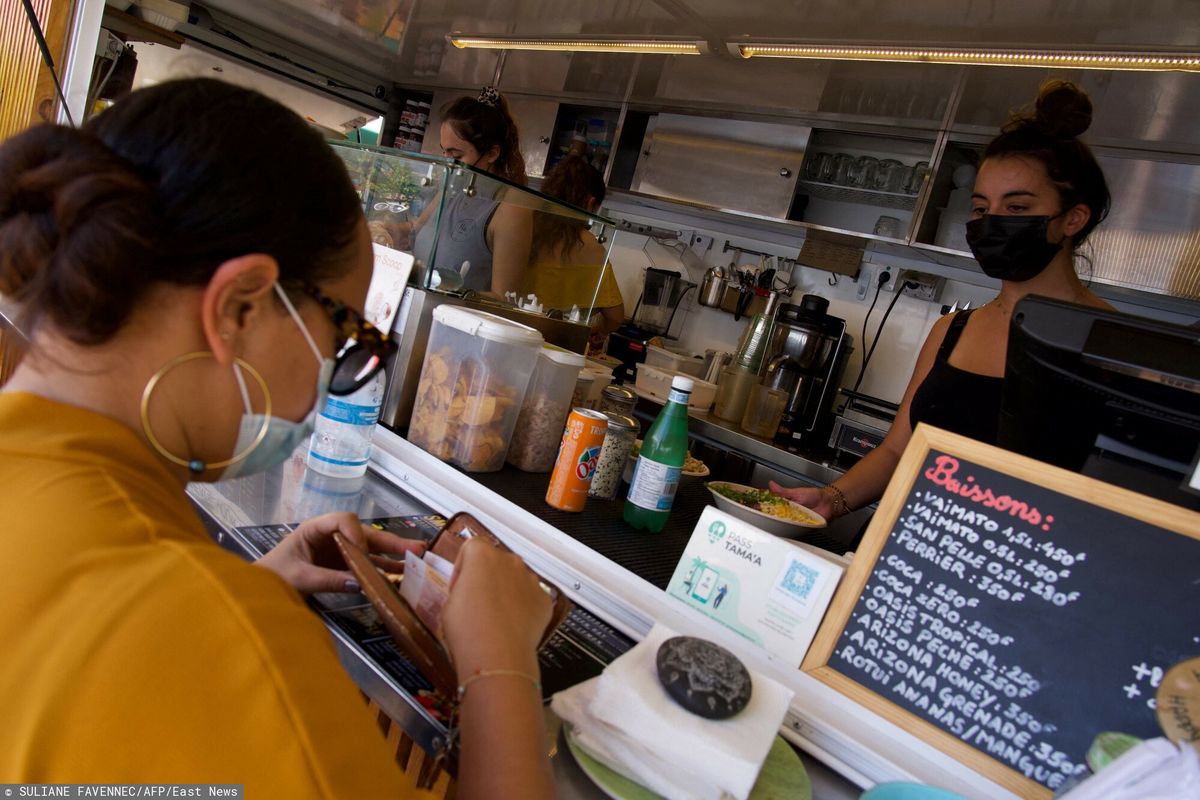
(1038, 195)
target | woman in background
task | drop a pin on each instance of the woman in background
(567, 260)
(184, 298)
(1038, 196)
(493, 237)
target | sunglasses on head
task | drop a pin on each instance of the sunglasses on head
(367, 348)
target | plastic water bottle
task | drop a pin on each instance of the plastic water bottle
(341, 440)
(656, 476)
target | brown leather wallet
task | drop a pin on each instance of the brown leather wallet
(425, 650)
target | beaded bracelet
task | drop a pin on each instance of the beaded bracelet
(840, 506)
(479, 675)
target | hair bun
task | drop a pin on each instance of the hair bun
(73, 225)
(1063, 109)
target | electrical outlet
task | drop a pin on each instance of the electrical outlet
(701, 243)
(929, 287)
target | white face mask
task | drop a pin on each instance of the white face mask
(282, 436)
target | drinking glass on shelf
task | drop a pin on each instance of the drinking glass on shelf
(886, 175)
(841, 169)
(819, 167)
(862, 172)
(887, 226)
(920, 172)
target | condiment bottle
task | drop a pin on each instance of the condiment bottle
(618, 400)
(618, 444)
(656, 476)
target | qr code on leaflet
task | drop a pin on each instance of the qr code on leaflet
(799, 580)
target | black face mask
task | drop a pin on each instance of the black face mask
(1012, 248)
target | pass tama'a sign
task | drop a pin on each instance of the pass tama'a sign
(1008, 611)
(770, 590)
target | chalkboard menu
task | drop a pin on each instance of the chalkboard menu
(1009, 611)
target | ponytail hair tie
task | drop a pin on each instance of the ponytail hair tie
(489, 96)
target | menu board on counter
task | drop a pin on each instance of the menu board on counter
(1008, 611)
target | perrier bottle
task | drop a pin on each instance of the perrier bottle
(656, 476)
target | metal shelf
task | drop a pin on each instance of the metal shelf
(870, 197)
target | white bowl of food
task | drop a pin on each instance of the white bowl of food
(764, 509)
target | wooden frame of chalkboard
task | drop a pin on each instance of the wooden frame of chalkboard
(1006, 611)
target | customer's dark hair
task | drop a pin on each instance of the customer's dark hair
(486, 125)
(1050, 135)
(575, 181)
(163, 187)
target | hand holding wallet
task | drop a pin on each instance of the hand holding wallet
(414, 637)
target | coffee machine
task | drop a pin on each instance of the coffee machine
(661, 295)
(806, 357)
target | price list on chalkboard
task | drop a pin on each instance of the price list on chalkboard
(1020, 620)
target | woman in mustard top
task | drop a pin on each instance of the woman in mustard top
(567, 260)
(185, 290)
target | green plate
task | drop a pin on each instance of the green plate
(782, 777)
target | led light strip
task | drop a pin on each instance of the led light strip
(683, 47)
(1114, 60)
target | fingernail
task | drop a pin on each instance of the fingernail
(352, 587)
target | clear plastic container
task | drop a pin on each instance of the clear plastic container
(764, 410)
(601, 378)
(544, 413)
(733, 391)
(473, 382)
(670, 361)
(583, 387)
(657, 384)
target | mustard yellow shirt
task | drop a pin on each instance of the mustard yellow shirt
(137, 650)
(561, 283)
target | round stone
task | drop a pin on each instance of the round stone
(703, 677)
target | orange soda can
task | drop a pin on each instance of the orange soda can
(572, 476)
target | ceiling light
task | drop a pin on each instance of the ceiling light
(1077, 59)
(668, 45)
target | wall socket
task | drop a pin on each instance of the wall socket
(868, 280)
(929, 287)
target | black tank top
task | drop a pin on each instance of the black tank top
(956, 400)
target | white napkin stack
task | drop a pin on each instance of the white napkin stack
(1155, 769)
(626, 720)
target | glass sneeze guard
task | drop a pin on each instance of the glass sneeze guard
(458, 222)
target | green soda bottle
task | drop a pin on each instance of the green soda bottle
(656, 476)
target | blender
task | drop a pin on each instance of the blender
(662, 292)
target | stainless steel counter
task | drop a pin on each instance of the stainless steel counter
(291, 493)
(762, 451)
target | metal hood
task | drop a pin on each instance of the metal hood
(396, 39)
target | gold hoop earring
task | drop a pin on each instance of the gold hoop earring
(195, 465)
